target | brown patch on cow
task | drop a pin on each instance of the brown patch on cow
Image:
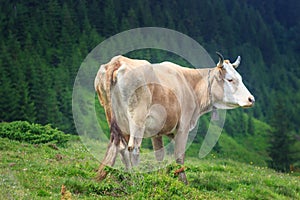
(227, 61)
(168, 99)
(110, 80)
(103, 88)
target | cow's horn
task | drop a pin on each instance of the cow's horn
(237, 62)
(221, 60)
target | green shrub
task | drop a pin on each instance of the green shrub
(32, 133)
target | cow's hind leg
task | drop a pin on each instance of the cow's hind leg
(112, 150)
(124, 153)
(158, 147)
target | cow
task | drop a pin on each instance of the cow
(152, 100)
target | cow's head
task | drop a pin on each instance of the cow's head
(227, 88)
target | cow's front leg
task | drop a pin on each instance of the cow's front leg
(180, 144)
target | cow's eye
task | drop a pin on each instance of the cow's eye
(229, 80)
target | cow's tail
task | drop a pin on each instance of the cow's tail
(109, 160)
(112, 150)
(111, 74)
(115, 132)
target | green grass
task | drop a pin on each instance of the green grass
(31, 171)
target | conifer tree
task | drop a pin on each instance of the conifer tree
(8, 102)
(280, 138)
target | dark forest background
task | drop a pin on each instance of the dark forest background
(43, 43)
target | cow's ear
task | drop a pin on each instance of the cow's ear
(221, 74)
(221, 60)
(237, 62)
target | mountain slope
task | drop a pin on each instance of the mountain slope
(38, 172)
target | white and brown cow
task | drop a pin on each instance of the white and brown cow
(151, 100)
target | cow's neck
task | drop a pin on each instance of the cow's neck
(200, 81)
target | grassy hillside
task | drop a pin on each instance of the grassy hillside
(38, 171)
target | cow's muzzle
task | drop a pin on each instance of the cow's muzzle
(250, 103)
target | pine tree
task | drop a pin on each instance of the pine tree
(280, 138)
(9, 78)
(8, 101)
(110, 18)
(27, 108)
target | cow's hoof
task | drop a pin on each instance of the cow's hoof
(130, 148)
